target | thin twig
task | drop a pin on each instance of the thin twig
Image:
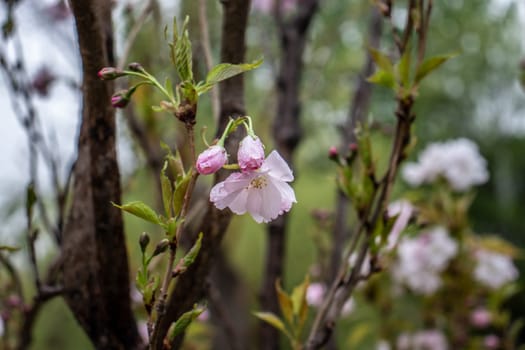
(134, 31)
(168, 275)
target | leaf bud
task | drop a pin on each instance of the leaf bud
(136, 67)
(161, 247)
(143, 241)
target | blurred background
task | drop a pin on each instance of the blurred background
(480, 94)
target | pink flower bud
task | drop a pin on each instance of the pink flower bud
(333, 153)
(250, 154)
(211, 160)
(491, 341)
(480, 318)
(110, 73)
(120, 99)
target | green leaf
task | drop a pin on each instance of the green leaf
(183, 54)
(383, 78)
(150, 290)
(180, 190)
(167, 190)
(403, 67)
(183, 322)
(273, 320)
(431, 64)
(169, 88)
(299, 296)
(140, 210)
(225, 71)
(190, 257)
(189, 92)
(381, 60)
(285, 302)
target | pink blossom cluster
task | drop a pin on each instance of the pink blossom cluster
(260, 187)
(422, 259)
(494, 269)
(457, 161)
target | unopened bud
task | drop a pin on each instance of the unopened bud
(353, 146)
(120, 99)
(110, 73)
(333, 153)
(161, 247)
(143, 241)
(136, 67)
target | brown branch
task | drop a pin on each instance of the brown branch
(344, 283)
(190, 286)
(357, 114)
(94, 258)
(287, 133)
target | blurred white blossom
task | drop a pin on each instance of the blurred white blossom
(403, 209)
(421, 260)
(494, 269)
(457, 161)
(424, 340)
(315, 294)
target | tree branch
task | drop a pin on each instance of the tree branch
(191, 286)
(287, 133)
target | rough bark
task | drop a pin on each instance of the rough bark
(94, 258)
(191, 286)
(287, 133)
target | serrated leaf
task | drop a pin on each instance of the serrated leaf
(431, 64)
(285, 302)
(225, 71)
(183, 322)
(190, 257)
(381, 60)
(9, 249)
(167, 190)
(183, 54)
(141, 210)
(383, 78)
(273, 320)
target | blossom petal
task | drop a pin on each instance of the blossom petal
(277, 167)
(226, 192)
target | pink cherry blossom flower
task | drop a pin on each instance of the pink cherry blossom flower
(263, 193)
(315, 294)
(211, 160)
(250, 154)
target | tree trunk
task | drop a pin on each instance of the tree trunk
(94, 258)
